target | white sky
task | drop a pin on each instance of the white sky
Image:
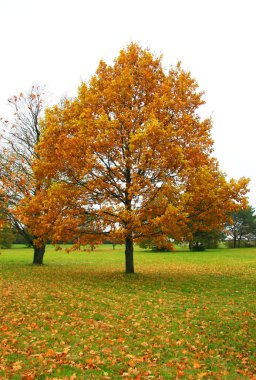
(58, 43)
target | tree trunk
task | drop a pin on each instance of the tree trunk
(235, 240)
(38, 255)
(129, 267)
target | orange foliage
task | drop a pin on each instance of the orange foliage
(130, 156)
(209, 198)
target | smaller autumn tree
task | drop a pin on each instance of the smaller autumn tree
(123, 153)
(19, 136)
(209, 200)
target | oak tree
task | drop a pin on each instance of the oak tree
(124, 153)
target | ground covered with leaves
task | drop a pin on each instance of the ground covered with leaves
(183, 315)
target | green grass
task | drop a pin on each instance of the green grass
(182, 315)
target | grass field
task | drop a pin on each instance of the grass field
(182, 315)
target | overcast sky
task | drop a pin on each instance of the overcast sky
(58, 43)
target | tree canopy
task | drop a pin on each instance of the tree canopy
(131, 157)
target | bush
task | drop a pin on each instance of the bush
(197, 246)
(162, 249)
(157, 245)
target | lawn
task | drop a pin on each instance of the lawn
(182, 315)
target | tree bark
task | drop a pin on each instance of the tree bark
(38, 255)
(129, 266)
(235, 240)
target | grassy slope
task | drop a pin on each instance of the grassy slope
(183, 315)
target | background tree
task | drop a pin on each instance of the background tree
(7, 236)
(209, 198)
(242, 226)
(124, 149)
(206, 240)
(19, 137)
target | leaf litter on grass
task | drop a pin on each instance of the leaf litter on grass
(172, 320)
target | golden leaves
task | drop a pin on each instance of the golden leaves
(130, 156)
(86, 319)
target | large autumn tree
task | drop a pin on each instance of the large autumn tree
(125, 153)
(20, 134)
